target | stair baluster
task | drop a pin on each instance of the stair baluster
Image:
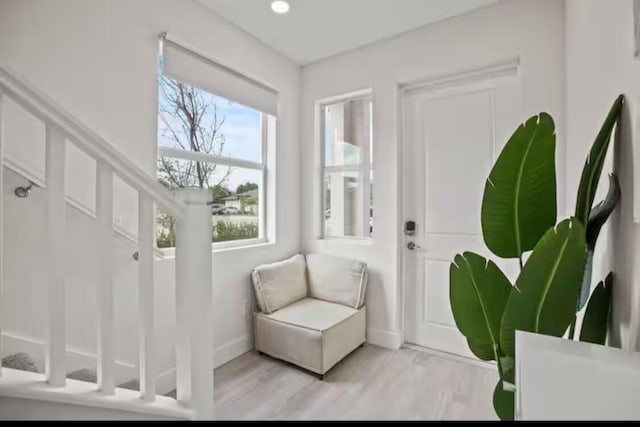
(104, 281)
(146, 281)
(56, 343)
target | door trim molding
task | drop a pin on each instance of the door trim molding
(503, 68)
(383, 338)
(497, 70)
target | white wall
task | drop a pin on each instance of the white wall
(98, 59)
(600, 66)
(531, 29)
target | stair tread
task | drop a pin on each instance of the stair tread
(86, 375)
(135, 385)
(24, 362)
(21, 361)
(131, 385)
(22, 384)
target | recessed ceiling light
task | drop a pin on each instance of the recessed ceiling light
(280, 6)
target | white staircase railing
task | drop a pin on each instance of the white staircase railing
(194, 364)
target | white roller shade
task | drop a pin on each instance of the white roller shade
(189, 66)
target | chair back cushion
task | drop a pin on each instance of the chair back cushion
(336, 279)
(280, 283)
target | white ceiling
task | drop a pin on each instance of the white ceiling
(317, 29)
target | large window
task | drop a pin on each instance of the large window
(216, 131)
(210, 142)
(347, 196)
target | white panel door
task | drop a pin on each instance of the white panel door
(451, 136)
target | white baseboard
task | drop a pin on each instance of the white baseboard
(166, 381)
(76, 359)
(456, 357)
(384, 338)
(231, 350)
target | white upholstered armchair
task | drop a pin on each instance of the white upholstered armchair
(312, 309)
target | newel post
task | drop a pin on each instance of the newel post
(194, 305)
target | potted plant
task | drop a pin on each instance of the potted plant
(518, 216)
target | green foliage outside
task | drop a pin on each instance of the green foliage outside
(219, 192)
(222, 231)
(248, 186)
(166, 234)
(252, 201)
(226, 230)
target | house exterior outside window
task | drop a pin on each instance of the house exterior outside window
(347, 160)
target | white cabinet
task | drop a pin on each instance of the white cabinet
(559, 379)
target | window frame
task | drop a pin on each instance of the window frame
(365, 168)
(176, 153)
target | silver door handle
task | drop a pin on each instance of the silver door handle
(412, 246)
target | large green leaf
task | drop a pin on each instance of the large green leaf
(601, 212)
(596, 318)
(519, 202)
(478, 292)
(545, 294)
(504, 403)
(585, 285)
(482, 351)
(594, 163)
(598, 216)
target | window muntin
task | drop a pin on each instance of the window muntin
(347, 168)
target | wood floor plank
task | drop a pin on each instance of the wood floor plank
(370, 384)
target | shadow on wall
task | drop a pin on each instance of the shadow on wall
(378, 303)
(626, 306)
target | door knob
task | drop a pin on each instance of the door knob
(412, 246)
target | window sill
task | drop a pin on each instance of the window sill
(362, 241)
(170, 253)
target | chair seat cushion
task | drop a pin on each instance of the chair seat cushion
(311, 333)
(313, 314)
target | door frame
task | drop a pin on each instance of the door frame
(492, 71)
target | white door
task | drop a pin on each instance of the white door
(452, 134)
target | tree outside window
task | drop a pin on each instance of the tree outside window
(192, 122)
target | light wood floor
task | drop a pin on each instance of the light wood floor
(372, 383)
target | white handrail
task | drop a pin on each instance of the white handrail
(39, 104)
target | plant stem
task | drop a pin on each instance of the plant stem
(520, 260)
(572, 329)
(497, 356)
